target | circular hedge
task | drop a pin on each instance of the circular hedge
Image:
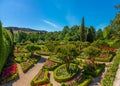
(61, 75)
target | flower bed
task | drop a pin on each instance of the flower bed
(26, 65)
(49, 65)
(60, 73)
(80, 81)
(105, 58)
(41, 78)
(99, 68)
(9, 74)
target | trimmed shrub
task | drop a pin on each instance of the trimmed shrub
(25, 68)
(6, 43)
(86, 81)
(107, 59)
(41, 81)
(61, 75)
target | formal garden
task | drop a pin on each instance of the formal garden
(71, 64)
(75, 56)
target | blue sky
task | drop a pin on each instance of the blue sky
(53, 15)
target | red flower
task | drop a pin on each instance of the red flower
(9, 71)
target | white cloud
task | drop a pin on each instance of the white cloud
(51, 24)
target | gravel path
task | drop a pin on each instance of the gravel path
(52, 79)
(25, 78)
(117, 77)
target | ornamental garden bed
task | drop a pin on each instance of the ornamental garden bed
(55, 59)
(89, 70)
(26, 65)
(49, 65)
(9, 73)
(61, 75)
(83, 80)
(104, 58)
(41, 78)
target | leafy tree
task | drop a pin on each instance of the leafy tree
(92, 52)
(99, 34)
(107, 32)
(99, 43)
(66, 53)
(22, 37)
(93, 32)
(117, 6)
(32, 48)
(89, 35)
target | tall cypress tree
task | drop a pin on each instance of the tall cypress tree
(82, 31)
(1, 38)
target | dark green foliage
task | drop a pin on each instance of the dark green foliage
(99, 68)
(99, 34)
(6, 43)
(89, 36)
(82, 31)
(87, 80)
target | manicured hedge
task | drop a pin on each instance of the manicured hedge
(55, 59)
(109, 75)
(96, 72)
(107, 59)
(65, 78)
(6, 43)
(86, 81)
(42, 81)
(26, 68)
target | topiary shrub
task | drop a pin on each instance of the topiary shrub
(61, 74)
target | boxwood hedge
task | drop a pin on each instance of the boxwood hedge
(41, 81)
(65, 78)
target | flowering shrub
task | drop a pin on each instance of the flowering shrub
(9, 71)
(106, 48)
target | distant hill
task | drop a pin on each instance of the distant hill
(27, 30)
